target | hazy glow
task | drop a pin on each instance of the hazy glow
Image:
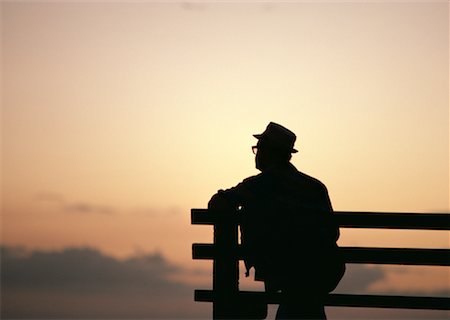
(118, 118)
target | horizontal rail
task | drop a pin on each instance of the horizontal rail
(405, 256)
(383, 220)
(348, 300)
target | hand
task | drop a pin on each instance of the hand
(220, 202)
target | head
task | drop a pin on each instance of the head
(275, 147)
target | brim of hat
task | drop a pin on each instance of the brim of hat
(258, 136)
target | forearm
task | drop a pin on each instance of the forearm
(223, 200)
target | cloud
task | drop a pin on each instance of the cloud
(54, 284)
(73, 207)
(193, 6)
(83, 207)
(85, 270)
(52, 197)
(358, 278)
(85, 283)
(158, 211)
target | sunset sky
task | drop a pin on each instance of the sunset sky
(119, 117)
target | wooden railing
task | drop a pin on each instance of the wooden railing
(226, 253)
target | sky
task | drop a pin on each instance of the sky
(119, 117)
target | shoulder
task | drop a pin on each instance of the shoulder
(247, 184)
(251, 182)
(316, 188)
(311, 181)
(253, 179)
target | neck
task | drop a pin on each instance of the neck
(273, 166)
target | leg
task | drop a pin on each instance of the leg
(301, 306)
(299, 311)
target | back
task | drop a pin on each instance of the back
(288, 231)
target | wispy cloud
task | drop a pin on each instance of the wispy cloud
(157, 211)
(193, 6)
(52, 197)
(83, 207)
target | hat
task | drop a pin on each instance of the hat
(278, 136)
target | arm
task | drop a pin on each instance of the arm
(234, 197)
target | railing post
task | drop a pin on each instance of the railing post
(225, 265)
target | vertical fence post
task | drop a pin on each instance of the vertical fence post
(225, 265)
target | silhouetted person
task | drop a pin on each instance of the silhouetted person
(288, 232)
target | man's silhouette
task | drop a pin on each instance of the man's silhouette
(288, 232)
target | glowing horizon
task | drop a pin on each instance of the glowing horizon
(118, 118)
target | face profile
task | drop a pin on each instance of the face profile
(266, 156)
(275, 146)
(260, 157)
